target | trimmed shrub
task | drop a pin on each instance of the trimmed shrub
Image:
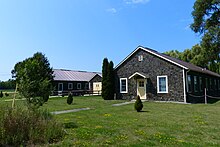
(138, 105)
(6, 94)
(70, 98)
(25, 127)
(1, 94)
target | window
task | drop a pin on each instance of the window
(123, 85)
(70, 85)
(141, 83)
(78, 85)
(215, 84)
(162, 84)
(210, 84)
(196, 84)
(218, 84)
(189, 83)
(207, 84)
(200, 84)
(86, 86)
(140, 58)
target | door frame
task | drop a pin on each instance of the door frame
(145, 83)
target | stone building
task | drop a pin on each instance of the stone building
(156, 76)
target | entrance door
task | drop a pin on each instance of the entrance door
(97, 87)
(60, 86)
(141, 88)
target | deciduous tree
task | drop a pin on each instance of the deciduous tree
(34, 76)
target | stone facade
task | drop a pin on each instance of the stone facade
(152, 66)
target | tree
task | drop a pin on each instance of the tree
(110, 81)
(138, 105)
(206, 15)
(104, 77)
(33, 77)
(174, 53)
(107, 80)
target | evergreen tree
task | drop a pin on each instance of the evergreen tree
(108, 80)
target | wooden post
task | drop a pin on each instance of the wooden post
(205, 97)
(13, 101)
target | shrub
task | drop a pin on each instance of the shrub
(70, 98)
(6, 94)
(1, 94)
(24, 127)
(138, 105)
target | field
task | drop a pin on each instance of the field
(159, 124)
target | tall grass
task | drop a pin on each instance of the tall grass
(26, 127)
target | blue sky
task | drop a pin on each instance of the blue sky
(78, 34)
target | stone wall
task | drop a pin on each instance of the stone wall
(151, 66)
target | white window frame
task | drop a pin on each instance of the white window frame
(140, 58)
(158, 77)
(79, 86)
(70, 87)
(126, 79)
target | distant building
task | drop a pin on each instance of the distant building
(156, 76)
(76, 82)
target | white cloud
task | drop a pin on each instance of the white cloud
(136, 1)
(111, 10)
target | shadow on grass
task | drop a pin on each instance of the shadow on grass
(70, 125)
(143, 111)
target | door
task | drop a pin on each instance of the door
(60, 87)
(97, 87)
(141, 88)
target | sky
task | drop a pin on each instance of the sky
(78, 34)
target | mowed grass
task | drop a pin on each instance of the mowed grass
(160, 124)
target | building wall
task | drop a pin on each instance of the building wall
(196, 92)
(74, 89)
(97, 78)
(152, 66)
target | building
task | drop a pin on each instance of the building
(76, 82)
(156, 76)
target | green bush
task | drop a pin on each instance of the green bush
(25, 127)
(1, 94)
(138, 105)
(70, 99)
(6, 94)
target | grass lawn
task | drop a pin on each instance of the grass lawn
(160, 124)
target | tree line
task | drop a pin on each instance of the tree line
(10, 84)
(206, 16)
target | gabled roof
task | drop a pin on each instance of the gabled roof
(177, 62)
(72, 75)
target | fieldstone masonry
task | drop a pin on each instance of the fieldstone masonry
(151, 66)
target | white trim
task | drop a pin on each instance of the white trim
(70, 87)
(165, 76)
(79, 86)
(184, 86)
(126, 85)
(137, 73)
(151, 53)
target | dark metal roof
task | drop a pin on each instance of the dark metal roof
(180, 63)
(72, 75)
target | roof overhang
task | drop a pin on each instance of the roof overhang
(138, 74)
